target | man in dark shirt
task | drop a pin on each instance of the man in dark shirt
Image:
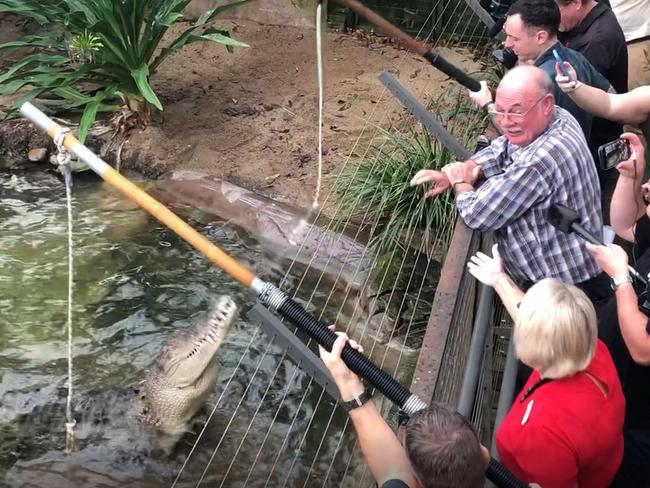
(531, 31)
(592, 29)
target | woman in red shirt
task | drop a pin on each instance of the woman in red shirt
(564, 428)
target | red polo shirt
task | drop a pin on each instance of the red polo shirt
(566, 432)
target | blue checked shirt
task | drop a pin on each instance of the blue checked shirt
(520, 185)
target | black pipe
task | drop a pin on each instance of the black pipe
(370, 372)
(407, 41)
(356, 361)
(500, 476)
(450, 70)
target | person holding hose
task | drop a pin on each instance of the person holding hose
(440, 450)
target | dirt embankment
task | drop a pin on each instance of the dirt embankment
(251, 116)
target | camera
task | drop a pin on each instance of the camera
(506, 57)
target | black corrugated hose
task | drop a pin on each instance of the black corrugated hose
(381, 380)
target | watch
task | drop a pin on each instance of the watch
(357, 401)
(620, 280)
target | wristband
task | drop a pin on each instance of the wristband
(356, 402)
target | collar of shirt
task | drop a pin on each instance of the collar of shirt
(548, 54)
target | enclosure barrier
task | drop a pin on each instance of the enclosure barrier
(466, 342)
(268, 294)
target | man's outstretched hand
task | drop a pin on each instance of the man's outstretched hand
(438, 180)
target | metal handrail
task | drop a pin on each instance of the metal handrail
(476, 350)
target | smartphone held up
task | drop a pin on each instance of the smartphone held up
(613, 152)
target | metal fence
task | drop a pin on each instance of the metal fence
(463, 361)
(456, 20)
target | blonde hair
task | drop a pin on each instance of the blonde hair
(556, 329)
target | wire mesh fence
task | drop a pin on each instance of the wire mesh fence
(451, 20)
(322, 451)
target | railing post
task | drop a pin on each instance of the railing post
(475, 356)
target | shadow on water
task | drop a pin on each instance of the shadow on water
(135, 282)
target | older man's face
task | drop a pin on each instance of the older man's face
(524, 41)
(522, 113)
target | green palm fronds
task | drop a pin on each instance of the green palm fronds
(100, 51)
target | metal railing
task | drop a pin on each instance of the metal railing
(467, 357)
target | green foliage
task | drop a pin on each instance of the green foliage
(376, 192)
(99, 50)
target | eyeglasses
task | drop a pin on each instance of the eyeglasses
(514, 115)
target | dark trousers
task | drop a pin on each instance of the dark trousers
(635, 469)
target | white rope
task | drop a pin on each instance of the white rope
(321, 102)
(63, 159)
(294, 237)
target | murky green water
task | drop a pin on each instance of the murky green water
(135, 282)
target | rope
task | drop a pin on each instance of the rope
(63, 160)
(321, 102)
(294, 237)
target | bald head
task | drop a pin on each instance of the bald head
(525, 92)
(527, 78)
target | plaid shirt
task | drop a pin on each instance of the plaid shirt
(521, 184)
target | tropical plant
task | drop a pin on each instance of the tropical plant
(376, 192)
(100, 51)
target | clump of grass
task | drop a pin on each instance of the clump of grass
(376, 194)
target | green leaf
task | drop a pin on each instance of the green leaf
(171, 18)
(43, 59)
(42, 13)
(221, 39)
(31, 41)
(87, 119)
(212, 13)
(141, 76)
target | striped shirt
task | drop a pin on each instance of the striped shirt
(520, 185)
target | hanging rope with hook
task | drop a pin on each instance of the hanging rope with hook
(321, 102)
(63, 161)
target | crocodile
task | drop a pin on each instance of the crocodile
(125, 434)
(184, 373)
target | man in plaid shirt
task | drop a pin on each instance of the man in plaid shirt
(508, 187)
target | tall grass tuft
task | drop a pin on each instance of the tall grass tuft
(375, 193)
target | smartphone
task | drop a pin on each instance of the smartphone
(613, 152)
(560, 61)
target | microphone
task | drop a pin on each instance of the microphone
(567, 220)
